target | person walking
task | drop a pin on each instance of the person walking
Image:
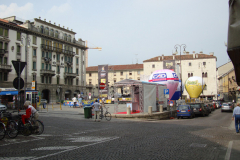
(236, 115)
(80, 101)
(74, 102)
(97, 107)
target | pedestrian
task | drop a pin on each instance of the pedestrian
(74, 102)
(30, 110)
(236, 115)
(80, 101)
(103, 100)
(97, 107)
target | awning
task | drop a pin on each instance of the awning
(8, 92)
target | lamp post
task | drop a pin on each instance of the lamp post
(27, 45)
(176, 47)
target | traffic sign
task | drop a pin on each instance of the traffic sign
(16, 83)
(18, 66)
(102, 85)
(33, 85)
(166, 91)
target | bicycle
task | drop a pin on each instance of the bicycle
(2, 130)
(37, 125)
(10, 125)
(107, 115)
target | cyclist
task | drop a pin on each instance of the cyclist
(30, 110)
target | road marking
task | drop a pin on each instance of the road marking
(71, 149)
(88, 139)
(232, 126)
(15, 142)
(228, 154)
(54, 148)
(14, 158)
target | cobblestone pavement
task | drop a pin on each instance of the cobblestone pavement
(68, 135)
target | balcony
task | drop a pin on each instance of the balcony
(46, 47)
(89, 86)
(47, 72)
(72, 75)
(3, 51)
(69, 63)
(47, 60)
(5, 67)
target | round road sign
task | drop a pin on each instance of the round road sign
(102, 85)
(16, 83)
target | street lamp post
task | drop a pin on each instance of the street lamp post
(27, 44)
(176, 47)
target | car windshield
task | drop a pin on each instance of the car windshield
(195, 105)
(182, 107)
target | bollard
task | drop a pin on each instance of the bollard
(128, 110)
(149, 109)
(60, 106)
(161, 108)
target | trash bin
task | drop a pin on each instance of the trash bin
(87, 111)
(44, 105)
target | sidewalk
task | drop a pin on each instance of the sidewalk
(121, 108)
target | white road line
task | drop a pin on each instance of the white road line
(228, 154)
(75, 148)
(14, 142)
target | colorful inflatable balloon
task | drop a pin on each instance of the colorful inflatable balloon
(166, 76)
(177, 94)
(194, 86)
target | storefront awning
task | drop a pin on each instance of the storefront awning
(8, 92)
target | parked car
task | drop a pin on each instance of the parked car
(3, 107)
(211, 106)
(207, 107)
(43, 101)
(227, 107)
(199, 109)
(185, 111)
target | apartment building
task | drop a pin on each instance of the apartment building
(195, 64)
(55, 59)
(116, 73)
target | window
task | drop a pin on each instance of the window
(6, 46)
(57, 80)
(65, 80)
(69, 38)
(52, 32)
(18, 49)
(114, 73)
(50, 80)
(43, 54)
(153, 66)
(65, 36)
(204, 63)
(90, 74)
(77, 71)
(205, 75)
(42, 65)
(77, 51)
(0, 60)
(34, 65)
(34, 40)
(130, 73)
(115, 80)
(50, 55)
(121, 73)
(191, 74)
(205, 88)
(58, 57)
(34, 77)
(5, 76)
(50, 67)
(65, 58)
(41, 30)
(1, 31)
(58, 69)
(76, 60)
(18, 36)
(46, 79)
(56, 34)
(90, 81)
(1, 45)
(138, 72)
(46, 66)
(46, 54)
(0, 76)
(6, 32)
(5, 60)
(65, 69)
(77, 82)
(42, 79)
(34, 52)
(189, 64)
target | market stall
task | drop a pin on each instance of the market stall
(142, 94)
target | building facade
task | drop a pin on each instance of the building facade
(116, 73)
(55, 59)
(196, 64)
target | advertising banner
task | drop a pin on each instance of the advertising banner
(169, 64)
(103, 78)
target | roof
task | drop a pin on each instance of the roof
(183, 57)
(10, 23)
(117, 67)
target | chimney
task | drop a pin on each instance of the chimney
(159, 58)
(173, 57)
(196, 55)
(187, 53)
(193, 52)
(162, 57)
(201, 52)
(193, 55)
(211, 53)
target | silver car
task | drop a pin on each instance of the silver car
(227, 107)
(3, 107)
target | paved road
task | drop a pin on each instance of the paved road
(68, 135)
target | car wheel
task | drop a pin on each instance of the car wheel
(178, 117)
(221, 110)
(191, 117)
(203, 114)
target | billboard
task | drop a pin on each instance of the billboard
(103, 78)
(169, 64)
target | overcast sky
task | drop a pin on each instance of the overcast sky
(131, 31)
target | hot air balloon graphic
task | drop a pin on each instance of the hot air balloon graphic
(194, 86)
(168, 77)
(177, 93)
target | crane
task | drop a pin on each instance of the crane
(86, 52)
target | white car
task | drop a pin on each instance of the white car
(2, 107)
